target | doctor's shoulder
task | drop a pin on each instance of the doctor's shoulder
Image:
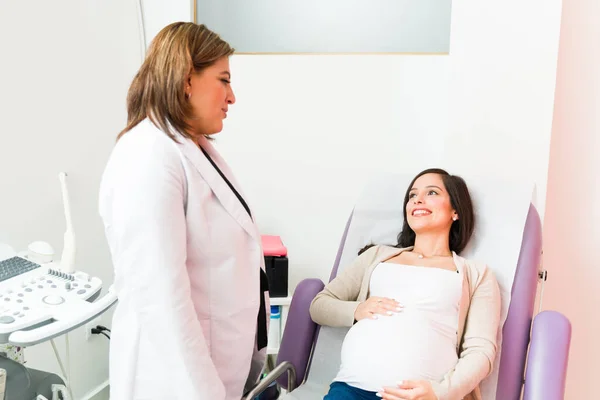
(142, 158)
(145, 144)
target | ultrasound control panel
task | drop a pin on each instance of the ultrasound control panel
(40, 295)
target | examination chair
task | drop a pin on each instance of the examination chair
(532, 357)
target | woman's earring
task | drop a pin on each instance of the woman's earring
(454, 218)
(188, 96)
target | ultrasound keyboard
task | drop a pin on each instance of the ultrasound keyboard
(15, 266)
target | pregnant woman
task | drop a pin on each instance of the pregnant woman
(423, 319)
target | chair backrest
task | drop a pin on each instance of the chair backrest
(507, 237)
(516, 332)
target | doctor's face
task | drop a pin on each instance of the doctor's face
(429, 208)
(210, 95)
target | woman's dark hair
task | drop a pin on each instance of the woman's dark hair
(460, 200)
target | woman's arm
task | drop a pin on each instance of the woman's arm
(336, 303)
(145, 204)
(479, 342)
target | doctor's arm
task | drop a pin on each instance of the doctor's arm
(149, 226)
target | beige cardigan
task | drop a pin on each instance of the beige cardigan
(479, 316)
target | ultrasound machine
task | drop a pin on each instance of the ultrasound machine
(41, 299)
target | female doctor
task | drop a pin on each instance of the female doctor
(191, 321)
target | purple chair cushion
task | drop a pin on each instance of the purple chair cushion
(548, 357)
(299, 333)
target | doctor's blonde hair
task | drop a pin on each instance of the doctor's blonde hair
(157, 90)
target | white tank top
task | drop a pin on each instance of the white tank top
(417, 343)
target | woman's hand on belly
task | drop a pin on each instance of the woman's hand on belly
(409, 390)
(374, 306)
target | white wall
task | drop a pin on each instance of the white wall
(503, 68)
(307, 130)
(66, 67)
(572, 224)
(159, 13)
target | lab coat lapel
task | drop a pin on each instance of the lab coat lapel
(219, 187)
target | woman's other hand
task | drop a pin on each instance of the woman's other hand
(409, 390)
(374, 306)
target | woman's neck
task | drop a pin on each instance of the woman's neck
(432, 245)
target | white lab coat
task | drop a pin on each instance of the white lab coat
(186, 257)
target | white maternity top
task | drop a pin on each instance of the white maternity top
(417, 343)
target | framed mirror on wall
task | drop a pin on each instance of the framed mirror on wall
(329, 26)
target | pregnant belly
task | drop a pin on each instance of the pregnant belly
(408, 345)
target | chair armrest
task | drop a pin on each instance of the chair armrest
(548, 357)
(299, 333)
(272, 377)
